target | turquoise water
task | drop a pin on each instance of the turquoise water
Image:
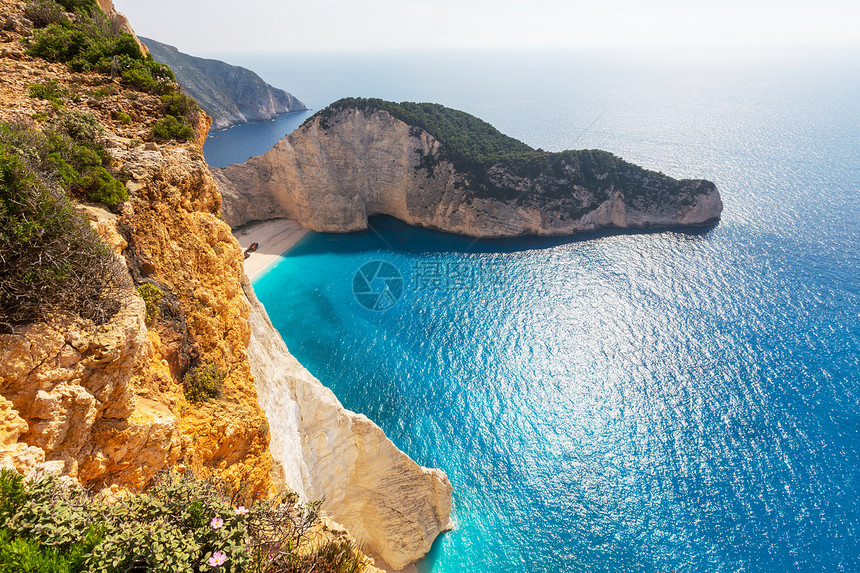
(642, 402)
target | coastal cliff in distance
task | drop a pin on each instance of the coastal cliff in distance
(431, 166)
(231, 95)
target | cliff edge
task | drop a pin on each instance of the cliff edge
(104, 398)
(435, 167)
(231, 95)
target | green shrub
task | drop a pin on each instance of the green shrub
(178, 525)
(179, 105)
(79, 6)
(145, 75)
(151, 295)
(59, 42)
(179, 110)
(100, 186)
(203, 383)
(50, 91)
(50, 258)
(91, 42)
(44, 12)
(169, 127)
(19, 555)
(42, 528)
(12, 494)
(140, 79)
(69, 153)
(104, 91)
(123, 117)
(82, 127)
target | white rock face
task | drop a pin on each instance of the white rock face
(390, 504)
(330, 175)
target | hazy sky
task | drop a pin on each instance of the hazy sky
(212, 26)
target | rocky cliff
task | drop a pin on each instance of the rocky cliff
(357, 159)
(103, 402)
(231, 95)
(327, 452)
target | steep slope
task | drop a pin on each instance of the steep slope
(231, 95)
(434, 167)
(104, 403)
(370, 486)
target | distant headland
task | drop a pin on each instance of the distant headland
(432, 166)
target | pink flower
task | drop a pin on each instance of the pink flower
(218, 558)
(241, 510)
(216, 522)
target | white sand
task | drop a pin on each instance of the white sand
(274, 238)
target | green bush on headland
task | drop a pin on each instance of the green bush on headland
(473, 147)
(467, 139)
(181, 524)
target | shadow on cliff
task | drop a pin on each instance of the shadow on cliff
(389, 234)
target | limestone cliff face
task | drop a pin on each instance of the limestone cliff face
(104, 404)
(332, 173)
(231, 95)
(386, 500)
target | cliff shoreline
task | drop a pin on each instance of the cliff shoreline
(348, 163)
(231, 95)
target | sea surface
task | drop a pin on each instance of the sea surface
(684, 401)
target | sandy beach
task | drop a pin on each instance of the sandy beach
(274, 237)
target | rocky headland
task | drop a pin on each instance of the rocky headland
(435, 167)
(230, 95)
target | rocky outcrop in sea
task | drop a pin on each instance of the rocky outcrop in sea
(354, 161)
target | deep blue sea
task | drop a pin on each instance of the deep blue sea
(612, 402)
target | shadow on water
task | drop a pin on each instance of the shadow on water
(389, 234)
(425, 565)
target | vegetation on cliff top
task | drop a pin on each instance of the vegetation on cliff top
(181, 524)
(473, 147)
(464, 136)
(50, 258)
(86, 39)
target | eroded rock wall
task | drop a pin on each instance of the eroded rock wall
(105, 404)
(395, 507)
